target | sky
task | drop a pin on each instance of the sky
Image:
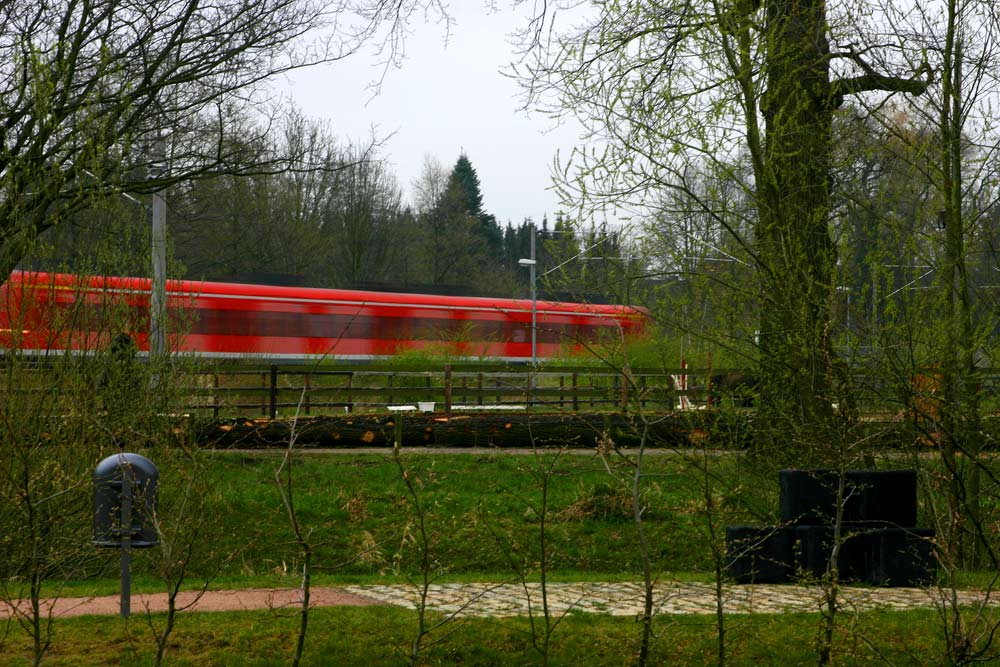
(447, 99)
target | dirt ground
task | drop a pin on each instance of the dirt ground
(242, 600)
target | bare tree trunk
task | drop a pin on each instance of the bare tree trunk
(831, 580)
(286, 488)
(634, 485)
(960, 411)
(417, 645)
(647, 573)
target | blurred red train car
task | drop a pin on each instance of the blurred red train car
(45, 313)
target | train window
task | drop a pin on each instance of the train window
(315, 325)
(550, 329)
(212, 321)
(393, 328)
(281, 324)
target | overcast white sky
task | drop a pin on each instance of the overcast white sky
(446, 99)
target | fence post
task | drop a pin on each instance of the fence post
(263, 394)
(576, 392)
(308, 387)
(274, 391)
(626, 380)
(447, 391)
(350, 385)
(530, 389)
(480, 384)
(709, 383)
(215, 395)
(624, 395)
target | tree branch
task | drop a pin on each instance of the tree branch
(872, 80)
(860, 84)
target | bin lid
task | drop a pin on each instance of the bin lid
(140, 465)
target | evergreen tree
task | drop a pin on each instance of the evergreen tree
(464, 177)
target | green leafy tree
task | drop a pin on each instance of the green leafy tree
(672, 84)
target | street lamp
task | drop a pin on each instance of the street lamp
(531, 263)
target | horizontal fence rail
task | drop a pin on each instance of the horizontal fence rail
(282, 391)
(285, 391)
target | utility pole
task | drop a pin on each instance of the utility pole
(158, 296)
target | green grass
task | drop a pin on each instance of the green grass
(358, 511)
(361, 522)
(381, 636)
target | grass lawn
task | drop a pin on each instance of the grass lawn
(382, 636)
(483, 520)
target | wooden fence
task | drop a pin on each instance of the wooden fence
(286, 390)
(275, 391)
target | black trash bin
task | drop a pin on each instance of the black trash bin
(138, 476)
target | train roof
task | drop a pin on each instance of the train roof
(242, 290)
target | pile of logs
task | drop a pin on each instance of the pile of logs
(428, 429)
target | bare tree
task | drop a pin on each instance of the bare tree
(87, 86)
(430, 186)
(363, 220)
(242, 227)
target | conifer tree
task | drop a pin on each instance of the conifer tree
(464, 177)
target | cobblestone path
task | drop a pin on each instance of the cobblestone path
(626, 599)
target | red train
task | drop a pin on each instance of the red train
(48, 312)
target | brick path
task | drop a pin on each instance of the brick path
(618, 599)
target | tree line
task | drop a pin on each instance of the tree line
(337, 218)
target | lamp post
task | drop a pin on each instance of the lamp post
(531, 264)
